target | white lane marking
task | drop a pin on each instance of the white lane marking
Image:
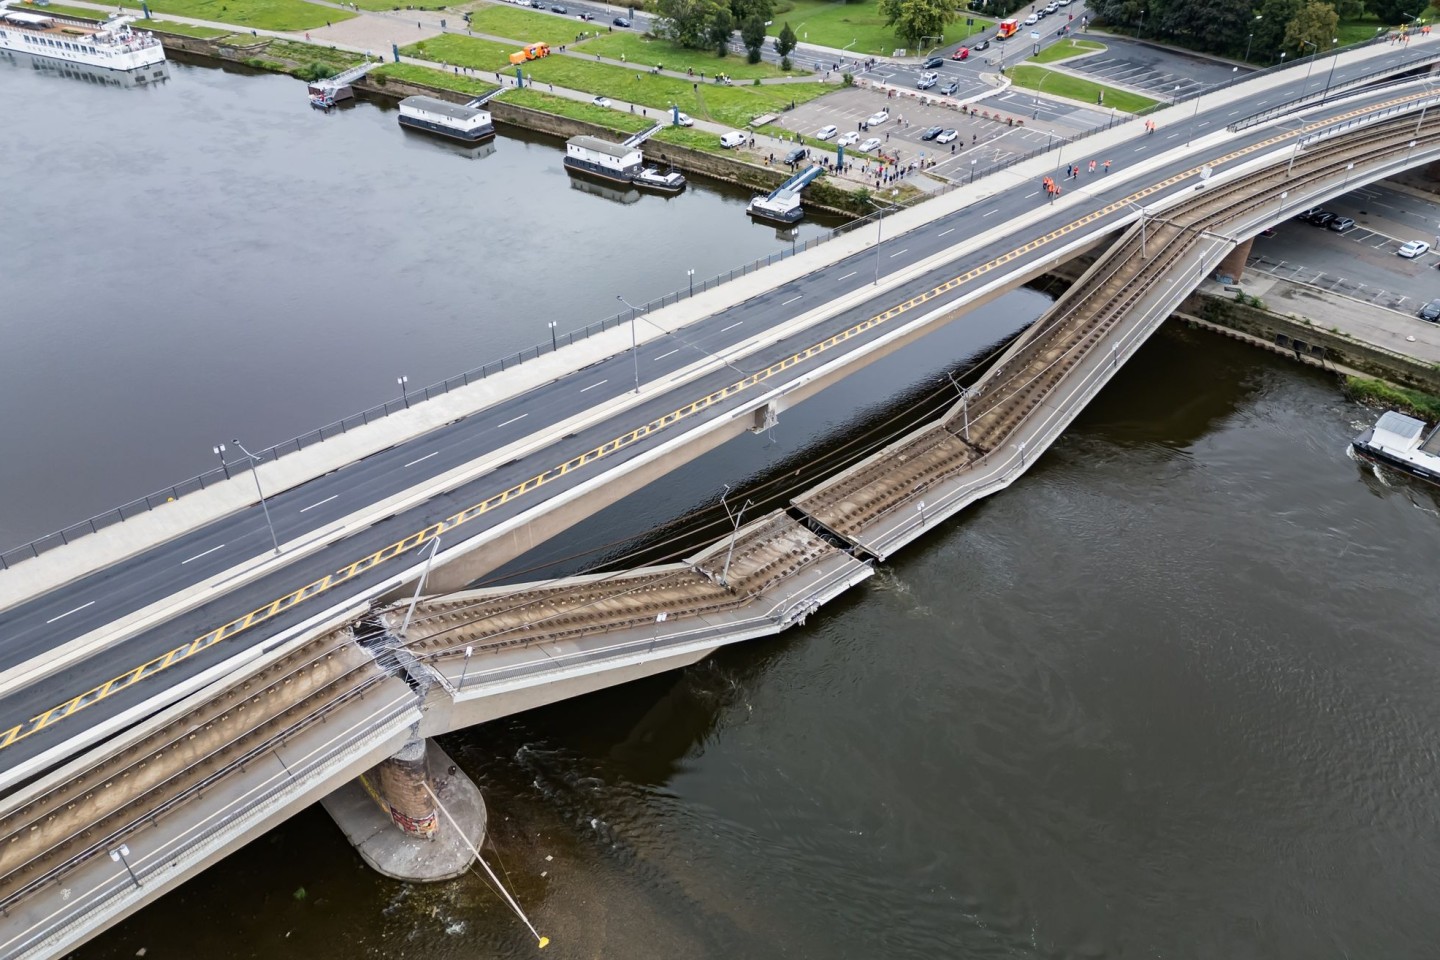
(1232, 113)
(997, 209)
(671, 353)
(894, 255)
(68, 612)
(1027, 197)
(847, 276)
(514, 420)
(321, 503)
(739, 322)
(1204, 123)
(1174, 135)
(205, 554)
(426, 457)
(951, 230)
(785, 304)
(594, 385)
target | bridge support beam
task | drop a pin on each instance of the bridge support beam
(401, 815)
(1232, 268)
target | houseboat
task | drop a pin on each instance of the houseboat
(612, 162)
(456, 121)
(1401, 442)
(110, 46)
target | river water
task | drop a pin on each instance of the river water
(1171, 695)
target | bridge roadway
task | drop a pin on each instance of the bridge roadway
(1006, 248)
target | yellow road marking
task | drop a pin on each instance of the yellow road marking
(344, 574)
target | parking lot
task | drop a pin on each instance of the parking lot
(1359, 262)
(1162, 74)
(985, 142)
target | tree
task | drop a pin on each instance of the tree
(1393, 13)
(785, 43)
(1269, 30)
(687, 21)
(914, 20)
(1312, 29)
(1350, 9)
(719, 30)
(1126, 14)
(1210, 25)
(752, 34)
(743, 10)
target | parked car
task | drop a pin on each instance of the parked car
(796, 155)
(846, 139)
(869, 146)
(684, 120)
(733, 139)
(946, 136)
(927, 80)
(877, 118)
(621, 22)
(1341, 224)
(1052, 6)
(584, 16)
(960, 54)
(538, 4)
(949, 89)
(931, 133)
(827, 133)
(1031, 20)
(1431, 311)
(934, 63)
(557, 8)
(1413, 249)
(601, 101)
(981, 45)
(1322, 219)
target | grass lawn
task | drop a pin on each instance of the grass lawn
(473, 86)
(1074, 88)
(648, 51)
(854, 27)
(526, 26)
(735, 105)
(461, 51)
(397, 5)
(60, 10)
(287, 15)
(1064, 50)
(308, 53)
(578, 110)
(184, 29)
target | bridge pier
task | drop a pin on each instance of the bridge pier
(1232, 268)
(392, 814)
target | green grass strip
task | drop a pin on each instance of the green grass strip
(1415, 402)
(577, 110)
(427, 76)
(287, 15)
(450, 48)
(649, 51)
(1074, 88)
(1064, 50)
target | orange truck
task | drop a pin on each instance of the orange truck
(533, 51)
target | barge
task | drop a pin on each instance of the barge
(452, 120)
(612, 162)
(1400, 442)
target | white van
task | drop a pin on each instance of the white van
(733, 139)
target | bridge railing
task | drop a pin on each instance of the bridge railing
(167, 494)
(1321, 96)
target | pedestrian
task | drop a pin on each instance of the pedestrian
(307, 34)
(1107, 166)
(1092, 166)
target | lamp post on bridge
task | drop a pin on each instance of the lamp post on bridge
(879, 222)
(1331, 75)
(263, 505)
(1314, 53)
(634, 342)
(1143, 254)
(219, 449)
(554, 339)
(691, 274)
(735, 518)
(404, 383)
(120, 855)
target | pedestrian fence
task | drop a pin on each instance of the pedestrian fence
(199, 482)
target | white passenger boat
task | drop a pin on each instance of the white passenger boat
(1401, 442)
(614, 162)
(110, 46)
(453, 120)
(784, 208)
(671, 181)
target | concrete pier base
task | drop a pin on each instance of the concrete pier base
(367, 822)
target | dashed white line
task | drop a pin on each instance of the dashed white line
(1232, 113)
(848, 275)
(426, 457)
(670, 353)
(320, 504)
(785, 304)
(897, 253)
(997, 209)
(68, 612)
(594, 385)
(739, 322)
(1174, 135)
(514, 420)
(1027, 197)
(205, 554)
(951, 230)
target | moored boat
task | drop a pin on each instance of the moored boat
(784, 208)
(456, 121)
(671, 181)
(110, 46)
(594, 157)
(1400, 442)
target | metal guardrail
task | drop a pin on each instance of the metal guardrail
(1320, 97)
(147, 503)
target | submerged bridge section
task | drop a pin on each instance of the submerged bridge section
(202, 775)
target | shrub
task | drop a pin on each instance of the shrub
(785, 63)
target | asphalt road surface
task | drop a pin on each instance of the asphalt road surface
(66, 613)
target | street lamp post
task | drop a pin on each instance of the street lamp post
(119, 855)
(554, 340)
(263, 505)
(1249, 38)
(735, 517)
(879, 220)
(972, 169)
(1281, 208)
(219, 449)
(1331, 75)
(1314, 52)
(1141, 28)
(634, 342)
(404, 383)
(1143, 254)
(469, 652)
(691, 274)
